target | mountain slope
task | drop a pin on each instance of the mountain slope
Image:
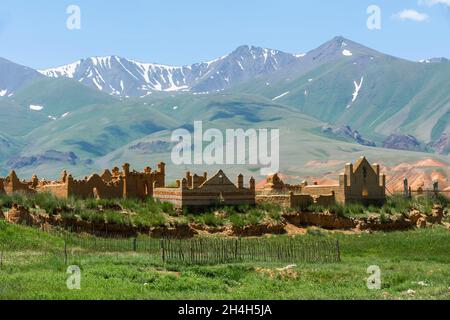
(17, 120)
(58, 97)
(376, 94)
(14, 76)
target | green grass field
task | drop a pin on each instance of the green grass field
(33, 267)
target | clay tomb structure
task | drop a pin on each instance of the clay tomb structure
(198, 192)
(109, 185)
(361, 182)
(193, 191)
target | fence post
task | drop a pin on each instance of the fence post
(134, 244)
(338, 251)
(163, 253)
(65, 252)
(1, 259)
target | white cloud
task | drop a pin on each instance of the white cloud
(410, 14)
(431, 3)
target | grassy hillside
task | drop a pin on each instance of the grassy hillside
(59, 96)
(17, 120)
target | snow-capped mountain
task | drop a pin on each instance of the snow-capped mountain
(243, 64)
(124, 77)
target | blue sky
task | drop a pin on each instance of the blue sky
(181, 32)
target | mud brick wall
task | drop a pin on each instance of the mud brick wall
(301, 201)
(12, 184)
(170, 195)
(325, 200)
(58, 190)
(281, 200)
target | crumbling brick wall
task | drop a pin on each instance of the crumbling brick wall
(283, 200)
(11, 184)
(110, 185)
(199, 192)
(300, 200)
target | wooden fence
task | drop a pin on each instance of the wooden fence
(147, 245)
(208, 250)
(224, 250)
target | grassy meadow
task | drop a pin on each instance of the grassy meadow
(414, 265)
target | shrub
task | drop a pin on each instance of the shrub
(117, 218)
(167, 208)
(156, 219)
(354, 209)
(211, 220)
(237, 220)
(275, 215)
(397, 204)
(316, 208)
(338, 210)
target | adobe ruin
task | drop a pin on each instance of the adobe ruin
(361, 182)
(192, 191)
(199, 192)
(109, 185)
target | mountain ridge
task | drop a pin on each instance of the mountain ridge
(125, 77)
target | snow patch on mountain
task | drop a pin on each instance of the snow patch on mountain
(347, 53)
(36, 107)
(3, 93)
(357, 88)
(281, 96)
(208, 63)
(67, 71)
(356, 92)
(434, 60)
